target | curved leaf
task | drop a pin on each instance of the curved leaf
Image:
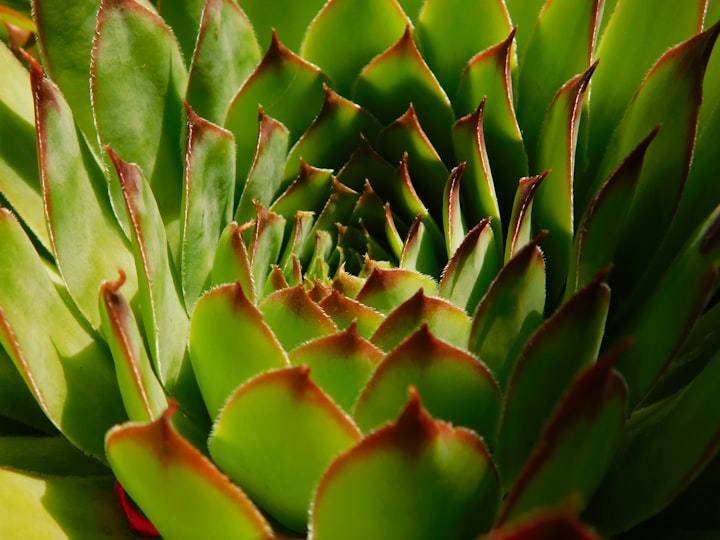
(385, 290)
(294, 409)
(170, 478)
(346, 34)
(444, 484)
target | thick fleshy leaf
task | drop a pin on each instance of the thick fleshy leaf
(454, 225)
(287, 87)
(386, 289)
(184, 17)
(138, 103)
(77, 207)
(576, 446)
(545, 526)
(488, 76)
(509, 312)
(341, 364)
(16, 399)
(265, 247)
(365, 165)
(165, 320)
(57, 362)
(141, 392)
(308, 192)
(405, 141)
(229, 344)
(288, 17)
(207, 201)
(479, 199)
(419, 253)
(444, 320)
(19, 176)
(260, 451)
(295, 318)
(643, 32)
(553, 356)
(451, 33)
(168, 478)
(444, 484)
(651, 469)
(225, 54)
(34, 506)
(339, 120)
(232, 262)
(473, 266)
(560, 46)
(672, 308)
(65, 37)
(347, 34)
(400, 77)
(670, 95)
(454, 386)
(343, 310)
(553, 201)
(47, 455)
(266, 174)
(600, 227)
(520, 226)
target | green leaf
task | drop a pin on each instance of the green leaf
(266, 174)
(478, 189)
(560, 46)
(405, 141)
(454, 225)
(295, 318)
(344, 311)
(265, 247)
(34, 506)
(419, 253)
(80, 219)
(400, 77)
(44, 455)
(347, 34)
(129, 95)
(509, 312)
(444, 320)
(288, 88)
(165, 320)
(386, 289)
(19, 176)
(453, 384)
(488, 76)
(444, 484)
(672, 307)
(16, 399)
(473, 266)
(229, 344)
(57, 362)
(339, 120)
(184, 17)
(643, 32)
(520, 226)
(553, 201)
(141, 392)
(561, 347)
(65, 37)
(364, 165)
(289, 18)
(451, 33)
(253, 449)
(207, 201)
(524, 15)
(168, 478)
(308, 192)
(341, 364)
(575, 448)
(651, 469)
(599, 230)
(232, 262)
(671, 96)
(225, 55)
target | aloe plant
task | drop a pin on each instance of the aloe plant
(359, 269)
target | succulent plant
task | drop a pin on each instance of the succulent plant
(359, 285)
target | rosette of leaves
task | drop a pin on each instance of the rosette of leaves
(359, 269)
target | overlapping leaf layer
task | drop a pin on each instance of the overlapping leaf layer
(362, 269)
